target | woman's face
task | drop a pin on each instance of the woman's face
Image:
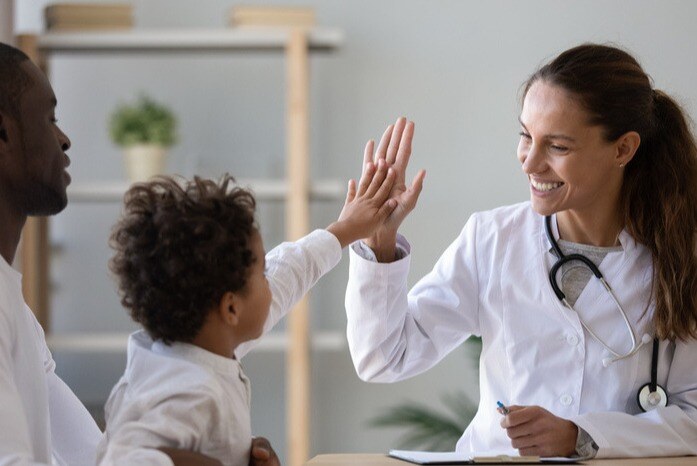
(569, 164)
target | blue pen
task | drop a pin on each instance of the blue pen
(502, 408)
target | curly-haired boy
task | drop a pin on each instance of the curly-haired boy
(191, 269)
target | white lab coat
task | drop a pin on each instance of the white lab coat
(493, 281)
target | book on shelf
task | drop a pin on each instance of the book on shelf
(272, 16)
(77, 16)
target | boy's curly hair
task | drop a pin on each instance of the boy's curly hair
(178, 249)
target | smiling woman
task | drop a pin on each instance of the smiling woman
(612, 167)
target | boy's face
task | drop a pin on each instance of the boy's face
(256, 294)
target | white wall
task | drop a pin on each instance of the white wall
(6, 21)
(453, 66)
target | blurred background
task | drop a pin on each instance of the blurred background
(455, 67)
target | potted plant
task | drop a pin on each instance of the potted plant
(428, 429)
(145, 131)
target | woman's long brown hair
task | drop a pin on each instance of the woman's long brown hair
(659, 191)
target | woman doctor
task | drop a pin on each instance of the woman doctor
(587, 369)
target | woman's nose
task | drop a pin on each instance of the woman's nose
(532, 160)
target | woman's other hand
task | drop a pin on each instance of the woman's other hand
(534, 431)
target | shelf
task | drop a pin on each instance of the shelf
(263, 189)
(117, 342)
(158, 40)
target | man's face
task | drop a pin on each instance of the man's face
(32, 171)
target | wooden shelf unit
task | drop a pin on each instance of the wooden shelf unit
(296, 189)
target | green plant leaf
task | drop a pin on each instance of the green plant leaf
(145, 122)
(428, 429)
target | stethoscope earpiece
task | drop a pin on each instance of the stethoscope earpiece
(607, 362)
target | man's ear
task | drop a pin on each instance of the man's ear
(229, 308)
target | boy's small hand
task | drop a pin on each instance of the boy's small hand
(262, 454)
(366, 206)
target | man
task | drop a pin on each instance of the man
(40, 417)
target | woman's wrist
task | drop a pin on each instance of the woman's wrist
(384, 245)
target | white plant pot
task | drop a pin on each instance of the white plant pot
(144, 161)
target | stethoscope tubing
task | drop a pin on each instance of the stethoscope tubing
(645, 402)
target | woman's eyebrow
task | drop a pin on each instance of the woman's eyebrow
(549, 136)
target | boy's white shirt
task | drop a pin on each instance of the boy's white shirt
(185, 397)
(40, 417)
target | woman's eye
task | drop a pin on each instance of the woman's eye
(559, 148)
(525, 135)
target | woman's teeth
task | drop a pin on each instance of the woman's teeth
(545, 186)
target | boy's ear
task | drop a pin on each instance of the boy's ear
(228, 308)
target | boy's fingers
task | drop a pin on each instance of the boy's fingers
(384, 141)
(366, 179)
(378, 178)
(351, 191)
(386, 187)
(261, 453)
(395, 140)
(368, 154)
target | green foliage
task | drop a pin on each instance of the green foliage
(427, 429)
(146, 122)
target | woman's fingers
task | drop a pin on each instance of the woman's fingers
(351, 191)
(368, 155)
(387, 208)
(384, 141)
(395, 140)
(404, 151)
(416, 186)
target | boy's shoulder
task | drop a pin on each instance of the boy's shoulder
(161, 375)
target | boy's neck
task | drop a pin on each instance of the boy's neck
(212, 338)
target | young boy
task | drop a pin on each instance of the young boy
(191, 269)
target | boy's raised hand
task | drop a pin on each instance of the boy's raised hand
(367, 205)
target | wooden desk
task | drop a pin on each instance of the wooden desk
(383, 460)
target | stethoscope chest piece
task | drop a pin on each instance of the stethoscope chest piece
(649, 400)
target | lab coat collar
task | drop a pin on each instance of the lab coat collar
(626, 240)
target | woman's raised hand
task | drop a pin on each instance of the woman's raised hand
(395, 149)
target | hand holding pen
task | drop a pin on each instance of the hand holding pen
(534, 431)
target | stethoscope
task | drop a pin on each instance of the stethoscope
(650, 395)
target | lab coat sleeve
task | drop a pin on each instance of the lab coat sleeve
(292, 269)
(394, 335)
(178, 421)
(667, 431)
